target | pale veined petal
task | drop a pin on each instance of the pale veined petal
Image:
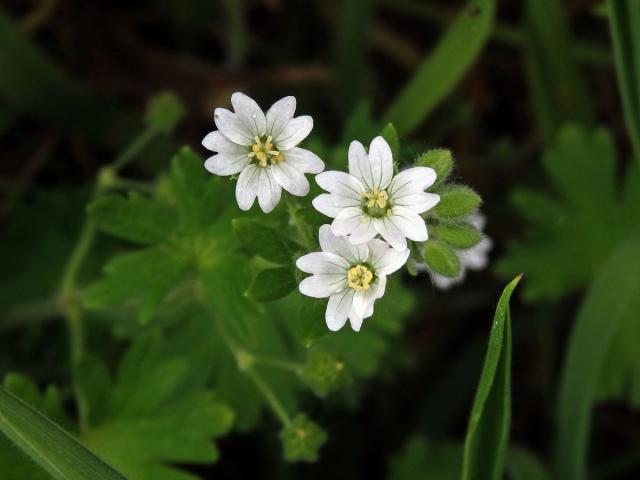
(444, 283)
(269, 191)
(412, 180)
(304, 160)
(409, 223)
(380, 288)
(342, 184)
(477, 257)
(279, 115)
(231, 127)
(226, 163)
(329, 242)
(362, 303)
(382, 162)
(217, 142)
(324, 204)
(323, 263)
(390, 232)
(247, 187)
(418, 202)
(289, 178)
(386, 259)
(348, 220)
(363, 232)
(296, 130)
(338, 309)
(249, 113)
(321, 286)
(359, 165)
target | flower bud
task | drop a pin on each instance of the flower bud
(440, 160)
(441, 259)
(302, 439)
(323, 372)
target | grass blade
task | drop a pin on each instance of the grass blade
(488, 430)
(57, 452)
(441, 71)
(612, 298)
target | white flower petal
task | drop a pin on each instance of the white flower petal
(362, 303)
(304, 160)
(390, 232)
(294, 132)
(374, 170)
(412, 180)
(418, 202)
(409, 223)
(348, 220)
(322, 286)
(231, 127)
(323, 263)
(444, 283)
(289, 178)
(341, 183)
(338, 309)
(386, 259)
(364, 232)
(477, 257)
(324, 204)
(247, 187)
(269, 191)
(217, 142)
(382, 161)
(329, 242)
(226, 163)
(249, 113)
(279, 115)
(380, 288)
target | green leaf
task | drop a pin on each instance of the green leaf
(523, 465)
(271, 284)
(164, 111)
(559, 92)
(459, 235)
(424, 459)
(610, 309)
(134, 218)
(302, 439)
(142, 279)
(440, 160)
(390, 134)
(441, 258)
(488, 431)
(624, 17)
(265, 241)
(57, 452)
(444, 67)
(572, 232)
(156, 414)
(311, 324)
(456, 201)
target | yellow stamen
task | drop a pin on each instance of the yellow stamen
(376, 197)
(359, 278)
(265, 152)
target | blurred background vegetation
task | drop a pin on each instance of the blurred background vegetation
(517, 93)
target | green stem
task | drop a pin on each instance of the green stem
(278, 363)
(271, 398)
(69, 298)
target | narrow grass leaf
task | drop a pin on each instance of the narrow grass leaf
(488, 430)
(57, 452)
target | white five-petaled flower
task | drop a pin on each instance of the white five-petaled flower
(474, 258)
(352, 276)
(262, 149)
(369, 200)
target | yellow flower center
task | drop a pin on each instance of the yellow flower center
(359, 277)
(375, 198)
(265, 152)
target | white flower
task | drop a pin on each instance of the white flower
(352, 276)
(474, 258)
(262, 148)
(368, 200)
